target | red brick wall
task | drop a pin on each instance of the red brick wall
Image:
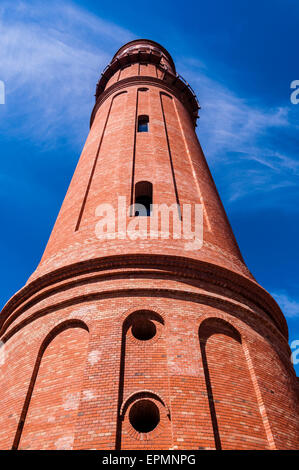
(169, 369)
(215, 374)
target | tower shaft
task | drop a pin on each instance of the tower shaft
(129, 335)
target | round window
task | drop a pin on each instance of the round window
(144, 416)
(143, 329)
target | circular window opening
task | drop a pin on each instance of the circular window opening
(143, 329)
(144, 416)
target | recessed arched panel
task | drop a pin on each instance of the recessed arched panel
(162, 93)
(112, 124)
(235, 415)
(141, 385)
(50, 409)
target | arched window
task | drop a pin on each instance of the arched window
(142, 123)
(143, 198)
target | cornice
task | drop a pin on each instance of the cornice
(143, 43)
(138, 55)
(171, 84)
(264, 326)
(180, 266)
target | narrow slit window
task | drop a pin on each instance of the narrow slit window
(143, 198)
(143, 123)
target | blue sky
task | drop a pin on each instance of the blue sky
(240, 58)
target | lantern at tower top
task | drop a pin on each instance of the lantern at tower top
(130, 64)
(143, 47)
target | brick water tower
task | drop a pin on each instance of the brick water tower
(144, 342)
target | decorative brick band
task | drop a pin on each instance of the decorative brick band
(184, 267)
(170, 83)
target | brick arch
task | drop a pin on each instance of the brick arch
(142, 394)
(144, 305)
(232, 396)
(119, 93)
(57, 353)
(163, 93)
(211, 325)
(232, 323)
(164, 424)
(148, 312)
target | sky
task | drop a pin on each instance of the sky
(239, 57)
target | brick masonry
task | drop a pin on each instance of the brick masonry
(211, 363)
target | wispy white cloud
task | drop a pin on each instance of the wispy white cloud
(52, 55)
(238, 136)
(230, 120)
(289, 306)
